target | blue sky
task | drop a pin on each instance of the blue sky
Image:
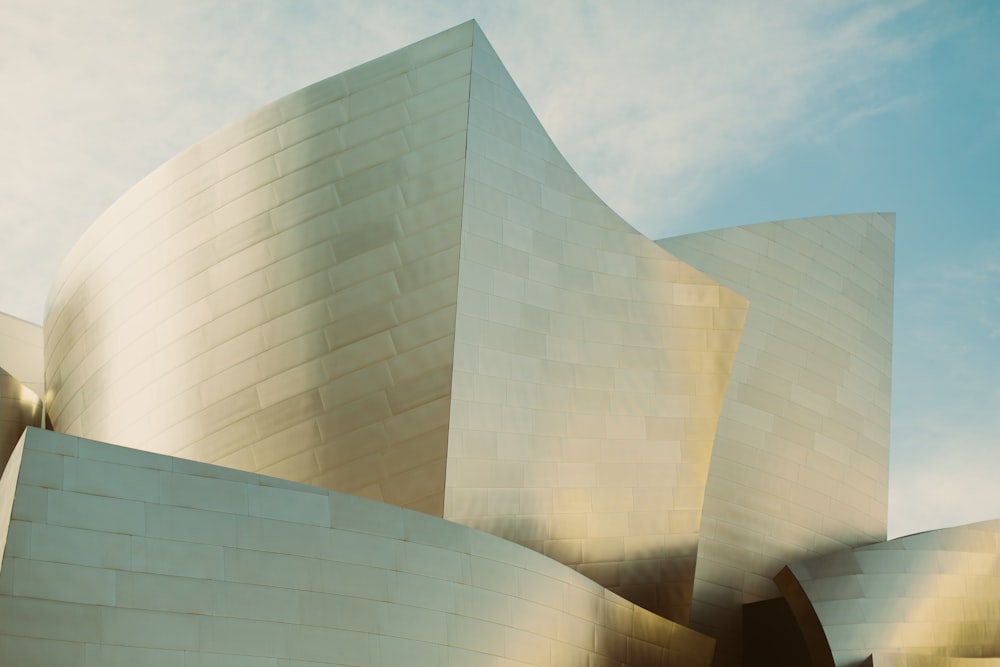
(684, 116)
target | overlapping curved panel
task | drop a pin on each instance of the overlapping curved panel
(800, 465)
(927, 599)
(910, 660)
(392, 284)
(590, 365)
(281, 296)
(20, 407)
(21, 351)
(20, 381)
(122, 557)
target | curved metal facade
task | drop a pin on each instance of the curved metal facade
(281, 297)
(20, 381)
(392, 284)
(800, 465)
(20, 407)
(590, 366)
(21, 351)
(927, 599)
(119, 557)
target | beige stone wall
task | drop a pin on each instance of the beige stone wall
(118, 557)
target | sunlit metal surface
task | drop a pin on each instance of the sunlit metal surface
(919, 601)
(590, 366)
(121, 557)
(800, 464)
(392, 284)
(20, 407)
(281, 297)
(21, 351)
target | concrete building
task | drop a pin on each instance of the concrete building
(563, 443)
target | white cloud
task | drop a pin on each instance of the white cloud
(652, 102)
(652, 106)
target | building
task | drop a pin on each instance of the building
(563, 443)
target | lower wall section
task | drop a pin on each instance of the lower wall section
(121, 557)
(925, 600)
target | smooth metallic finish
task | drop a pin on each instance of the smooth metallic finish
(392, 284)
(121, 557)
(800, 464)
(924, 600)
(21, 351)
(590, 366)
(20, 407)
(21, 383)
(281, 296)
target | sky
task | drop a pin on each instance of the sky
(683, 116)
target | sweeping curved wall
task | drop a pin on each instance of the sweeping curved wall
(392, 284)
(801, 460)
(926, 599)
(121, 557)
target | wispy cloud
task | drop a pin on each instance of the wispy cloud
(654, 110)
(650, 101)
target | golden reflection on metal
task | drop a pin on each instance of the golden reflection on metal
(392, 284)
(935, 594)
(800, 462)
(590, 366)
(20, 407)
(21, 351)
(206, 564)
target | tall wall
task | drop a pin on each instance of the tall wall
(800, 465)
(392, 284)
(118, 558)
(590, 365)
(281, 296)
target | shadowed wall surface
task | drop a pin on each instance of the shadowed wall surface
(800, 464)
(590, 366)
(21, 382)
(932, 598)
(281, 296)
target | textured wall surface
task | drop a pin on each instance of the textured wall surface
(21, 384)
(21, 351)
(800, 465)
(590, 365)
(931, 597)
(281, 296)
(20, 407)
(117, 557)
(392, 284)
